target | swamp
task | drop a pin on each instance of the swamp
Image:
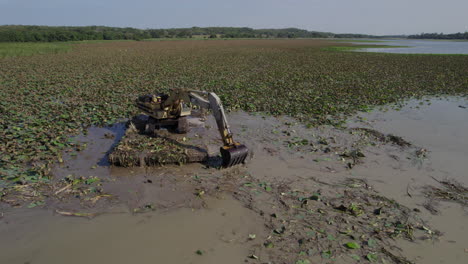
(355, 157)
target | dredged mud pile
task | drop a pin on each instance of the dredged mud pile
(140, 147)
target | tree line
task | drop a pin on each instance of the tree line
(458, 35)
(53, 34)
(16, 33)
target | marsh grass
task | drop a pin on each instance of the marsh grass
(28, 49)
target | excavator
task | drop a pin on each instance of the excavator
(166, 110)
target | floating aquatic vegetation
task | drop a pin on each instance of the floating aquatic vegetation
(47, 98)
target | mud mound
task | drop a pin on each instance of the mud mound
(139, 148)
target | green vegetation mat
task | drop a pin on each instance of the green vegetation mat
(45, 99)
(28, 49)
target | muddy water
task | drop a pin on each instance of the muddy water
(220, 231)
(421, 47)
(437, 125)
(441, 127)
(283, 152)
(183, 221)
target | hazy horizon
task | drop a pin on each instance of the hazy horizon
(372, 17)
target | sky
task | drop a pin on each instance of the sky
(377, 17)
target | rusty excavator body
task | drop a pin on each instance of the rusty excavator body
(172, 110)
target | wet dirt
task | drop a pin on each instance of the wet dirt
(218, 233)
(440, 126)
(308, 191)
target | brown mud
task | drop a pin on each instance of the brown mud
(140, 147)
(306, 195)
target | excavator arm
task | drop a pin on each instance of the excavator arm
(214, 104)
(232, 152)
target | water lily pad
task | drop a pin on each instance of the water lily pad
(352, 245)
(372, 257)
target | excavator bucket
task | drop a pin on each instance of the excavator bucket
(233, 155)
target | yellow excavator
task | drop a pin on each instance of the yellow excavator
(166, 110)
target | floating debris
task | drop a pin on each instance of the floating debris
(87, 215)
(384, 138)
(450, 190)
